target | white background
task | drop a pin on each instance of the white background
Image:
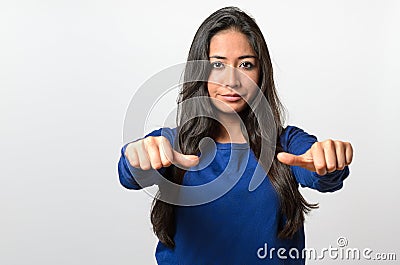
(68, 70)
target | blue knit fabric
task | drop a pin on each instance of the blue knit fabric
(241, 226)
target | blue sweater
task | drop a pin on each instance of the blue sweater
(241, 226)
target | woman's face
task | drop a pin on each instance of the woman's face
(234, 71)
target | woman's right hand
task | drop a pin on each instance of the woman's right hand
(156, 152)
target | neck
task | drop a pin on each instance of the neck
(230, 130)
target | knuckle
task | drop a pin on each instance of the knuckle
(164, 142)
(157, 165)
(349, 145)
(130, 148)
(329, 143)
(320, 166)
(142, 145)
(149, 141)
(338, 143)
(331, 167)
(165, 162)
(314, 147)
(133, 162)
(145, 166)
(349, 161)
(132, 145)
(318, 145)
(163, 139)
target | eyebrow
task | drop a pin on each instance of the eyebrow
(240, 57)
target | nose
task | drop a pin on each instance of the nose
(231, 77)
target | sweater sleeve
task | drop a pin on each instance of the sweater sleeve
(297, 142)
(130, 177)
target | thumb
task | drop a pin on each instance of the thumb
(185, 160)
(290, 159)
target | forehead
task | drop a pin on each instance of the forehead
(230, 43)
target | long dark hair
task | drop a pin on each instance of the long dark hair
(190, 132)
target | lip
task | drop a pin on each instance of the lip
(231, 97)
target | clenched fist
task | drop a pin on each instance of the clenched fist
(156, 152)
(323, 157)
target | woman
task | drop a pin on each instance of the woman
(236, 227)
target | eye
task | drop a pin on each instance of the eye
(246, 65)
(217, 65)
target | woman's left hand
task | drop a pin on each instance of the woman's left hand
(323, 157)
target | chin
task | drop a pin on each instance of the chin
(229, 110)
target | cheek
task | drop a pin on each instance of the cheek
(254, 76)
(251, 82)
(212, 88)
(252, 91)
(249, 77)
